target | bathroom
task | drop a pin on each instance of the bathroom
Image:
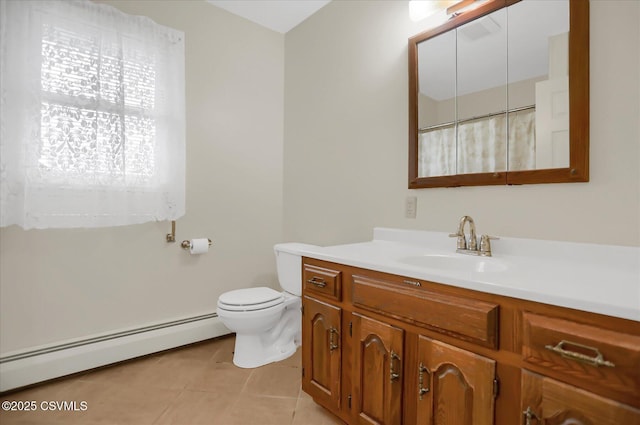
(303, 137)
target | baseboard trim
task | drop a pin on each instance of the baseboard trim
(33, 366)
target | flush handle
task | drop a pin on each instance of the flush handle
(317, 281)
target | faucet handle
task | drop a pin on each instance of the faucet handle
(485, 245)
(461, 243)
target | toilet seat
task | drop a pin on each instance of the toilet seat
(250, 299)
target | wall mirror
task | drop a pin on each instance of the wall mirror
(500, 95)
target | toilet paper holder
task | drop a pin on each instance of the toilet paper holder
(171, 237)
(187, 244)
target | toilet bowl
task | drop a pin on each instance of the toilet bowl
(267, 323)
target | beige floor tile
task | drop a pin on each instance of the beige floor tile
(249, 410)
(125, 373)
(11, 420)
(221, 377)
(197, 408)
(309, 413)
(293, 361)
(59, 388)
(203, 351)
(106, 403)
(197, 384)
(125, 405)
(224, 354)
(274, 380)
(38, 398)
(168, 372)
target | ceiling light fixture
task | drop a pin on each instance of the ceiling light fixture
(422, 9)
(463, 6)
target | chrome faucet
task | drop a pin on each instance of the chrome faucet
(470, 246)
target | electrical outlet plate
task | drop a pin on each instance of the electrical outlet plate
(411, 207)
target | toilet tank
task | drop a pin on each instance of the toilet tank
(289, 265)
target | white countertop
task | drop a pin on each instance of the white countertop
(601, 279)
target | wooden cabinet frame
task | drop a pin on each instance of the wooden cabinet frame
(496, 358)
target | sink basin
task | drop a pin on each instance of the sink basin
(461, 262)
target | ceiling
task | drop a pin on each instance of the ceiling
(277, 15)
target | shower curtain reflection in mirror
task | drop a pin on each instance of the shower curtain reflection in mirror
(482, 145)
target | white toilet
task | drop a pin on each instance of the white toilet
(267, 323)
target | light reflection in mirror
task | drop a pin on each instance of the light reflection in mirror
(477, 109)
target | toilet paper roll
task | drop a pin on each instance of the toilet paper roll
(199, 246)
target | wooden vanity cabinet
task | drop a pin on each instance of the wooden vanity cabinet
(588, 356)
(384, 349)
(322, 335)
(551, 402)
(377, 371)
(455, 386)
(322, 352)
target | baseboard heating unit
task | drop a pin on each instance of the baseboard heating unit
(19, 369)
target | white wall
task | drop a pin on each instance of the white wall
(346, 152)
(57, 285)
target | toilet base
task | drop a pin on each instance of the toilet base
(255, 349)
(247, 352)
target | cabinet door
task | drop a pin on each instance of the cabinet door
(377, 375)
(321, 352)
(455, 386)
(550, 402)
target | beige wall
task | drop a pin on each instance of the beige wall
(345, 159)
(57, 285)
(493, 100)
(344, 109)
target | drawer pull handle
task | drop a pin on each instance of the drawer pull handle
(421, 389)
(528, 415)
(596, 360)
(394, 359)
(317, 281)
(412, 282)
(333, 345)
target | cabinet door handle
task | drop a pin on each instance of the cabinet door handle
(412, 282)
(333, 345)
(317, 281)
(422, 390)
(395, 358)
(596, 360)
(528, 415)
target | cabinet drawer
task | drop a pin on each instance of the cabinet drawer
(463, 318)
(320, 280)
(587, 353)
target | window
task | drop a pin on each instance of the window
(97, 110)
(95, 128)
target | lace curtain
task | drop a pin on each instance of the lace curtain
(92, 116)
(481, 147)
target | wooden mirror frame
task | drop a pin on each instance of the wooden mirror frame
(578, 170)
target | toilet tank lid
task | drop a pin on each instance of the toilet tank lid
(249, 296)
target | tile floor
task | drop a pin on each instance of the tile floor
(194, 385)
